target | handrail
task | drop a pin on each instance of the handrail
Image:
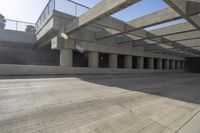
(78, 4)
(44, 10)
(50, 6)
(38, 23)
(17, 25)
(20, 21)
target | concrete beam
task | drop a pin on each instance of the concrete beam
(104, 8)
(186, 9)
(193, 6)
(91, 46)
(155, 18)
(166, 31)
(166, 41)
(181, 27)
(122, 27)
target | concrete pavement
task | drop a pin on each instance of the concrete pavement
(139, 103)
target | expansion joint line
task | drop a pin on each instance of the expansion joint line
(188, 121)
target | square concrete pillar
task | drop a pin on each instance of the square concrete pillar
(128, 62)
(113, 61)
(140, 62)
(159, 63)
(93, 59)
(178, 64)
(167, 64)
(66, 57)
(150, 63)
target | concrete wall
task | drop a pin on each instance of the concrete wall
(27, 70)
(13, 53)
(16, 47)
(16, 36)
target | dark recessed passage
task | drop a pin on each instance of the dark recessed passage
(181, 65)
(134, 61)
(120, 61)
(80, 59)
(103, 60)
(170, 64)
(176, 64)
(145, 63)
(164, 61)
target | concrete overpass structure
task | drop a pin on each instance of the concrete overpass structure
(42, 91)
(94, 41)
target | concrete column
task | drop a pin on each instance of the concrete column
(66, 57)
(167, 64)
(128, 62)
(140, 62)
(93, 59)
(113, 61)
(178, 64)
(150, 63)
(159, 63)
(173, 65)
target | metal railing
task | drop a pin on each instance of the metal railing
(65, 6)
(17, 25)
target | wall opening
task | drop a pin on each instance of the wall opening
(134, 61)
(103, 60)
(145, 63)
(120, 61)
(164, 62)
(176, 64)
(181, 65)
(170, 64)
(80, 59)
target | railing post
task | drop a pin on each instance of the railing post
(54, 5)
(16, 25)
(48, 9)
(76, 10)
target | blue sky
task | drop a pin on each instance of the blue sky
(29, 10)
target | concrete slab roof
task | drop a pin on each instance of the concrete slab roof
(170, 39)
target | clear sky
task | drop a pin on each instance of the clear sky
(30, 10)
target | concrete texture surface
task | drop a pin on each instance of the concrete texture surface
(139, 103)
(34, 70)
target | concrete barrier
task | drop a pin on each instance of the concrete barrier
(34, 70)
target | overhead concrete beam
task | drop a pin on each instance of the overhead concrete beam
(166, 41)
(167, 31)
(120, 26)
(193, 6)
(186, 9)
(104, 8)
(144, 34)
(181, 27)
(162, 16)
(58, 43)
(155, 18)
